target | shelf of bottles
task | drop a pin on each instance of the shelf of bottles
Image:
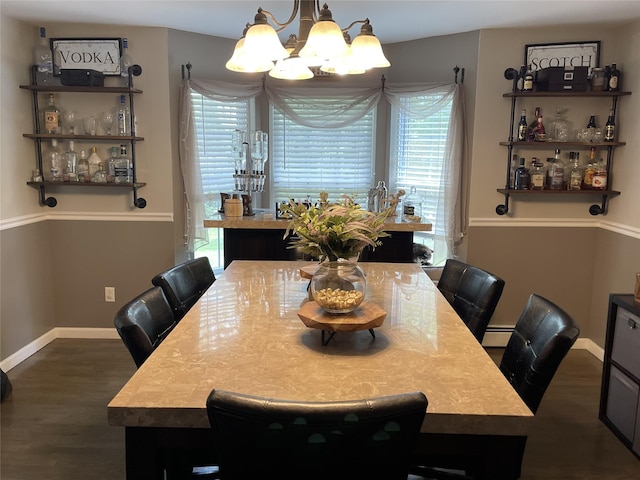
(53, 124)
(528, 137)
(250, 154)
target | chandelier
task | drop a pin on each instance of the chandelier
(320, 46)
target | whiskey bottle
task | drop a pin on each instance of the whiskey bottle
(522, 126)
(613, 84)
(599, 179)
(555, 173)
(610, 128)
(537, 175)
(527, 85)
(101, 175)
(590, 170)
(522, 178)
(576, 172)
(531, 136)
(52, 116)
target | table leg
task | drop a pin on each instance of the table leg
(143, 457)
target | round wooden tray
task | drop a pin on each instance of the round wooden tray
(367, 316)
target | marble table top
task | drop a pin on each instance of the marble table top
(244, 335)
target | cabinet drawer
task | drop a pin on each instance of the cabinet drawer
(622, 403)
(626, 341)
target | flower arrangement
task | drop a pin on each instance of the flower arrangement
(334, 230)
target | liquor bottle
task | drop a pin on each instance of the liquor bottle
(610, 128)
(590, 169)
(94, 160)
(522, 126)
(520, 81)
(555, 173)
(42, 54)
(539, 132)
(71, 163)
(527, 85)
(83, 167)
(111, 164)
(123, 117)
(599, 179)
(531, 136)
(537, 175)
(512, 170)
(592, 122)
(52, 116)
(125, 62)
(52, 159)
(123, 167)
(101, 174)
(613, 85)
(576, 172)
(522, 177)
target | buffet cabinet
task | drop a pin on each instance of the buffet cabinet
(620, 394)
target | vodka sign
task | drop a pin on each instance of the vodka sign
(100, 54)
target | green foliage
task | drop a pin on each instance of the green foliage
(334, 230)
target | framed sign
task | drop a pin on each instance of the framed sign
(576, 54)
(101, 54)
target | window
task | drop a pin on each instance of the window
(215, 123)
(307, 161)
(417, 159)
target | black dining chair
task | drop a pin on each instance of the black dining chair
(472, 292)
(541, 339)
(184, 284)
(144, 322)
(258, 437)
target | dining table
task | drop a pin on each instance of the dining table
(245, 335)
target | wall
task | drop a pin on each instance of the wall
(57, 261)
(545, 245)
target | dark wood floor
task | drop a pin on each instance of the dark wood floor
(54, 424)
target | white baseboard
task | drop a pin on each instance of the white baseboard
(58, 332)
(496, 336)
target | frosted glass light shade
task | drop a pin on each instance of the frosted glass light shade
(243, 62)
(325, 41)
(292, 68)
(345, 65)
(262, 41)
(368, 51)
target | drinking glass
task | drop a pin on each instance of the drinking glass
(70, 119)
(107, 121)
(90, 124)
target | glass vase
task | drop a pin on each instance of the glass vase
(338, 286)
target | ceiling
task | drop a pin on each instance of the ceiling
(393, 20)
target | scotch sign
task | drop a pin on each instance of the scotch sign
(100, 54)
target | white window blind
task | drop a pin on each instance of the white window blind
(418, 153)
(307, 161)
(215, 123)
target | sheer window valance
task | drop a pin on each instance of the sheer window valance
(346, 106)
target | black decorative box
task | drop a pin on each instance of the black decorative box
(562, 79)
(81, 78)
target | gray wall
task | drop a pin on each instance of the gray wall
(55, 262)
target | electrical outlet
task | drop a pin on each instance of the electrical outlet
(109, 294)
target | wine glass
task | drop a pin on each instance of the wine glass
(70, 119)
(107, 119)
(90, 124)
